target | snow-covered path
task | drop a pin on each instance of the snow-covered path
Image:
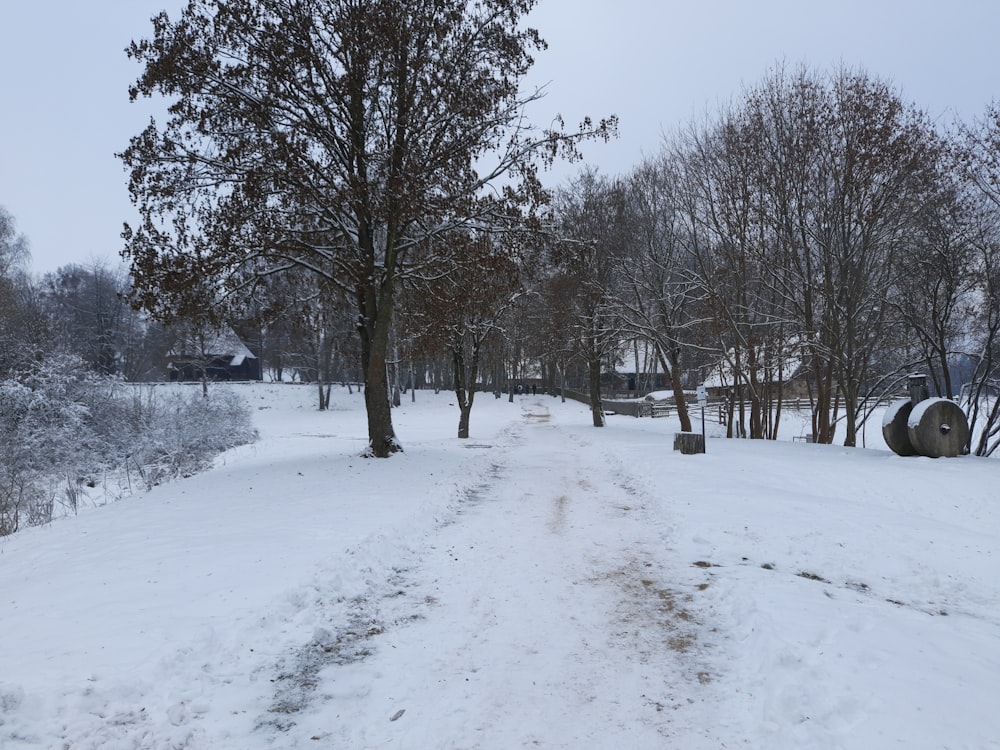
(541, 615)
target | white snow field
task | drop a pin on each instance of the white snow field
(542, 584)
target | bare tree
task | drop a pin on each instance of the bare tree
(981, 147)
(20, 319)
(661, 296)
(812, 189)
(462, 312)
(307, 321)
(89, 312)
(983, 390)
(590, 214)
(729, 245)
(939, 286)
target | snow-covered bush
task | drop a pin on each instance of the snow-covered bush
(65, 432)
(178, 433)
(43, 431)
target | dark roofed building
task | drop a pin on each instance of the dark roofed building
(221, 356)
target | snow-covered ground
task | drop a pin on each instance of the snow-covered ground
(543, 584)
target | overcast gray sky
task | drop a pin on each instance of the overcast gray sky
(64, 80)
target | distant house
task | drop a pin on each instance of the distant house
(636, 370)
(787, 370)
(219, 356)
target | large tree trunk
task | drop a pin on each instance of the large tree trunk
(382, 441)
(465, 395)
(464, 416)
(673, 366)
(381, 436)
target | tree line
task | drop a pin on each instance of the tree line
(377, 158)
(362, 178)
(820, 227)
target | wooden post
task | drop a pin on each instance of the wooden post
(689, 443)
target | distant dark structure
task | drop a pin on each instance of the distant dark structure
(220, 357)
(922, 426)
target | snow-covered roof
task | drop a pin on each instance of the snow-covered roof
(721, 376)
(224, 343)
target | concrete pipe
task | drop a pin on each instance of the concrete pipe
(938, 428)
(895, 427)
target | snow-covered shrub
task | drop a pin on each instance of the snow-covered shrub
(178, 433)
(44, 432)
(64, 431)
